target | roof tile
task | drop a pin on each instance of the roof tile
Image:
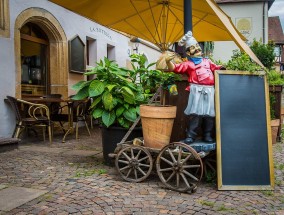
(275, 31)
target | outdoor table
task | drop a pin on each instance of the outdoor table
(58, 100)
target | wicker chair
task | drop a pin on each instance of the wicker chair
(35, 115)
(88, 111)
(79, 115)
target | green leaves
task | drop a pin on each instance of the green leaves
(96, 88)
(78, 85)
(264, 52)
(108, 101)
(130, 114)
(119, 111)
(108, 118)
(117, 92)
(97, 113)
(275, 78)
(242, 62)
(81, 94)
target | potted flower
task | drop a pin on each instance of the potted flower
(117, 94)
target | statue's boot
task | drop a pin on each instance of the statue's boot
(192, 129)
(209, 123)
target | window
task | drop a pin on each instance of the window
(110, 52)
(91, 51)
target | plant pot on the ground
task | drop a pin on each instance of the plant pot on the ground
(275, 123)
(111, 136)
(276, 92)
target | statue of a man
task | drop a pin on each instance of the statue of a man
(200, 72)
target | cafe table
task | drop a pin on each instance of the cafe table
(69, 103)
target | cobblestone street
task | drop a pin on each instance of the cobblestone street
(77, 182)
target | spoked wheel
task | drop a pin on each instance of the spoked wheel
(134, 163)
(210, 166)
(179, 167)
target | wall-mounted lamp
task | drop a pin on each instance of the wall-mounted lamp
(136, 47)
(136, 42)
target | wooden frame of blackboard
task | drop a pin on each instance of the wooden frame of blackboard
(77, 58)
(246, 177)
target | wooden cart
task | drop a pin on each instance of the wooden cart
(179, 166)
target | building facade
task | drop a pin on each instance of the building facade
(275, 34)
(250, 17)
(45, 49)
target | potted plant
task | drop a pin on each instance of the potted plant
(274, 123)
(117, 94)
(276, 82)
(241, 61)
(157, 118)
(265, 53)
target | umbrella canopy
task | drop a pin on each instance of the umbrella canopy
(159, 21)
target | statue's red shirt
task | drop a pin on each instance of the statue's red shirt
(198, 74)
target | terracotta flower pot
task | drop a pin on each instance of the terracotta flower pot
(275, 123)
(157, 124)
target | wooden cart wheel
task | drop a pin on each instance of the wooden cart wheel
(179, 167)
(134, 163)
(210, 166)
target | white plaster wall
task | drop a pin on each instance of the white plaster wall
(73, 25)
(224, 50)
(7, 86)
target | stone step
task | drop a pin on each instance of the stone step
(7, 144)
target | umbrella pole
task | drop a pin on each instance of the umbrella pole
(187, 15)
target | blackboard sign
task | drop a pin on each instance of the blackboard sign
(77, 55)
(244, 146)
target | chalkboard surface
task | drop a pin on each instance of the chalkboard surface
(244, 151)
(77, 55)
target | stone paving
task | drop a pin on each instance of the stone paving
(78, 182)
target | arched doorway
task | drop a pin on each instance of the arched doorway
(47, 58)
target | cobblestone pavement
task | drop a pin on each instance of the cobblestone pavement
(80, 184)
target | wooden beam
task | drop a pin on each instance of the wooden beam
(34, 39)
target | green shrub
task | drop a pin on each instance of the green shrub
(275, 78)
(242, 62)
(264, 52)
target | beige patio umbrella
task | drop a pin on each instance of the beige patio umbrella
(160, 21)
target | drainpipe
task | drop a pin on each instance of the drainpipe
(263, 22)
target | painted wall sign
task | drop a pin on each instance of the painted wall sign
(244, 25)
(101, 31)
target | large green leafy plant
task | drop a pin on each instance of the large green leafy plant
(151, 79)
(116, 97)
(242, 62)
(118, 92)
